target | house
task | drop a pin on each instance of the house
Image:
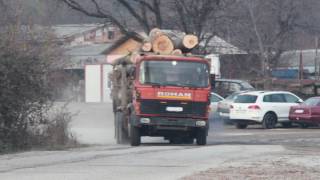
(234, 62)
(96, 75)
(217, 45)
(84, 45)
(309, 58)
(81, 34)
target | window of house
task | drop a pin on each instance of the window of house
(111, 35)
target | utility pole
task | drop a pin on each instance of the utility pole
(316, 70)
(301, 66)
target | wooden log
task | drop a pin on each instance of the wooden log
(155, 32)
(134, 58)
(177, 52)
(190, 41)
(146, 46)
(179, 39)
(162, 44)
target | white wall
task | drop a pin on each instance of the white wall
(215, 64)
(93, 83)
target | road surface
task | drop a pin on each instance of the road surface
(252, 153)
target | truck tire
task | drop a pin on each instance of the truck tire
(121, 135)
(135, 137)
(201, 137)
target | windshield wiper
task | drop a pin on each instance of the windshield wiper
(182, 85)
(153, 83)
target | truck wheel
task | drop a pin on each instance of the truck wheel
(135, 137)
(269, 121)
(121, 135)
(201, 137)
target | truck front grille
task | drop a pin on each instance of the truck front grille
(189, 109)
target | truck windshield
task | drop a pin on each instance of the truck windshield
(174, 73)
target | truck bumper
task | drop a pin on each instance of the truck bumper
(170, 122)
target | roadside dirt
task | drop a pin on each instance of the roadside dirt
(274, 170)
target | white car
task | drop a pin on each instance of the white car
(263, 107)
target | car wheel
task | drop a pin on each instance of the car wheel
(269, 121)
(241, 126)
(286, 124)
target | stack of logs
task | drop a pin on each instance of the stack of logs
(169, 42)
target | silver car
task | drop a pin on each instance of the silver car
(214, 100)
(223, 108)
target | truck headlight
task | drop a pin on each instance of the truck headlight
(200, 123)
(145, 120)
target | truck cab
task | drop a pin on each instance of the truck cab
(170, 99)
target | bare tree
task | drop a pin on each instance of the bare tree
(269, 27)
(185, 15)
(28, 56)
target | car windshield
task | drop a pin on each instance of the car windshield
(174, 73)
(246, 99)
(312, 102)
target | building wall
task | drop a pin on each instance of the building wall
(96, 35)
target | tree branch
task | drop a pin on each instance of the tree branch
(98, 14)
(133, 12)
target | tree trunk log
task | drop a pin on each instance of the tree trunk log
(177, 52)
(146, 46)
(162, 44)
(190, 41)
(178, 39)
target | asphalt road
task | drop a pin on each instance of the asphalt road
(252, 153)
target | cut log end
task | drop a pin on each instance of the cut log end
(146, 47)
(162, 45)
(190, 41)
(177, 52)
(155, 32)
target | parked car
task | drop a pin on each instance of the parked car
(306, 114)
(225, 87)
(224, 106)
(262, 107)
(215, 99)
